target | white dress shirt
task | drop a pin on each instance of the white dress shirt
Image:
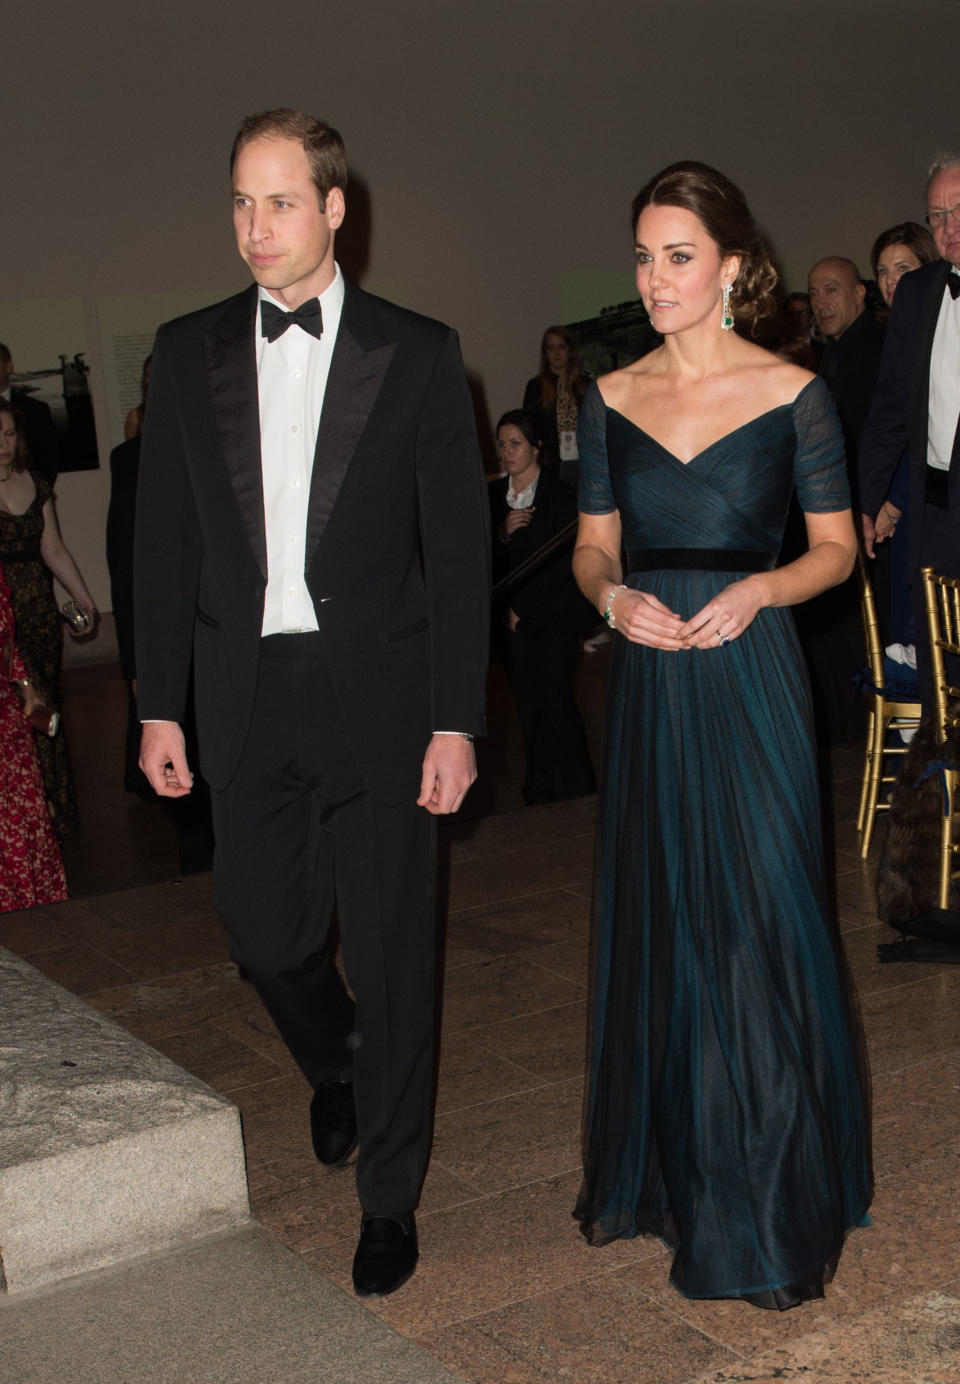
(944, 397)
(523, 499)
(291, 382)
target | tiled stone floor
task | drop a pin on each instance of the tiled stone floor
(507, 1291)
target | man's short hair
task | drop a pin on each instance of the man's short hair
(321, 143)
(942, 160)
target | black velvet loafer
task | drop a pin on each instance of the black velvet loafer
(386, 1255)
(333, 1122)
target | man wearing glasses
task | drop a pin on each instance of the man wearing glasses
(916, 408)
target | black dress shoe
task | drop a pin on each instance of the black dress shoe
(386, 1255)
(333, 1122)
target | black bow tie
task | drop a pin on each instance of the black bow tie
(953, 283)
(274, 321)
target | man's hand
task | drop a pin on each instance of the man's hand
(164, 760)
(449, 768)
(886, 521)
(869, 533)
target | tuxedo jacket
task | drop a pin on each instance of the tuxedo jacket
(897, 421)
(397, 548)
(550, 593)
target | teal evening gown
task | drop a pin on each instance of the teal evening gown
(727, 1107)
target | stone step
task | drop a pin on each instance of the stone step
(107, 1149)
(237, 1308)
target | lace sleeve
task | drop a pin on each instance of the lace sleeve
(819, 466)
(596, 497)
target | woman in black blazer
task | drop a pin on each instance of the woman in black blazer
(529, 505)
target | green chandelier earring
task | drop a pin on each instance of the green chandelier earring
(726, 321)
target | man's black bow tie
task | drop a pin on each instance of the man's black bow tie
(274, 321)
(953, 283)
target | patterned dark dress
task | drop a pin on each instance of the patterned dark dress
(31, 871)
(727, 1110)
(40, 640)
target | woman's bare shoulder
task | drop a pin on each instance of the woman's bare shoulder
(619, 383)
(779, 378)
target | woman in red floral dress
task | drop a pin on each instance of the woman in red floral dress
(31, 870)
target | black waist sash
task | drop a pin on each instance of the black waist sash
(701, 560)
(938, 487)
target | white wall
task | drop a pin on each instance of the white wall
(500, 142)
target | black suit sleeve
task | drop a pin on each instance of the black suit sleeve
(454, 531)
(167, 552)
(121, 518)
(886, 431)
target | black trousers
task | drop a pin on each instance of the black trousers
(541, 666)
(831, 632)
(299, 837)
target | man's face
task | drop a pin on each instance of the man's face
(836, 296)
(281, 232)
(943, 195)
(798, 316)
(6, 370)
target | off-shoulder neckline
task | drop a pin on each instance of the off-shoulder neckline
(767, 413)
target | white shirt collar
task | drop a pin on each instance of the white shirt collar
(331, 299)
(522, 499)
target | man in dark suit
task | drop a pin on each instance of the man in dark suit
(916, 407)
(830, 626)
(851, 358)
(39, 429)
(312, 531)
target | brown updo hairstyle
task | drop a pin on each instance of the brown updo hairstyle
(721, 208)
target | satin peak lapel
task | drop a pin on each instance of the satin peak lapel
(356, 374)
(927, 329)
(231, 359)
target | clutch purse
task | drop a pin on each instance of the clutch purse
(76, 617)
(45, 720)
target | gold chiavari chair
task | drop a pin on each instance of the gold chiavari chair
(942, 599)
(887, 715)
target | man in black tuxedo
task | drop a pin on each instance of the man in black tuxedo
(916, 408)
(39, 429)
(312, 532)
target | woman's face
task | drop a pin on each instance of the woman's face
(894, 262)
(557, 352)
(680, 273)
(517, 455)
(8, 438)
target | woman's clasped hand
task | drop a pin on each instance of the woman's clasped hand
(643, 619)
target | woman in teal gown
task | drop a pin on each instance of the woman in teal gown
(727, 1106)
